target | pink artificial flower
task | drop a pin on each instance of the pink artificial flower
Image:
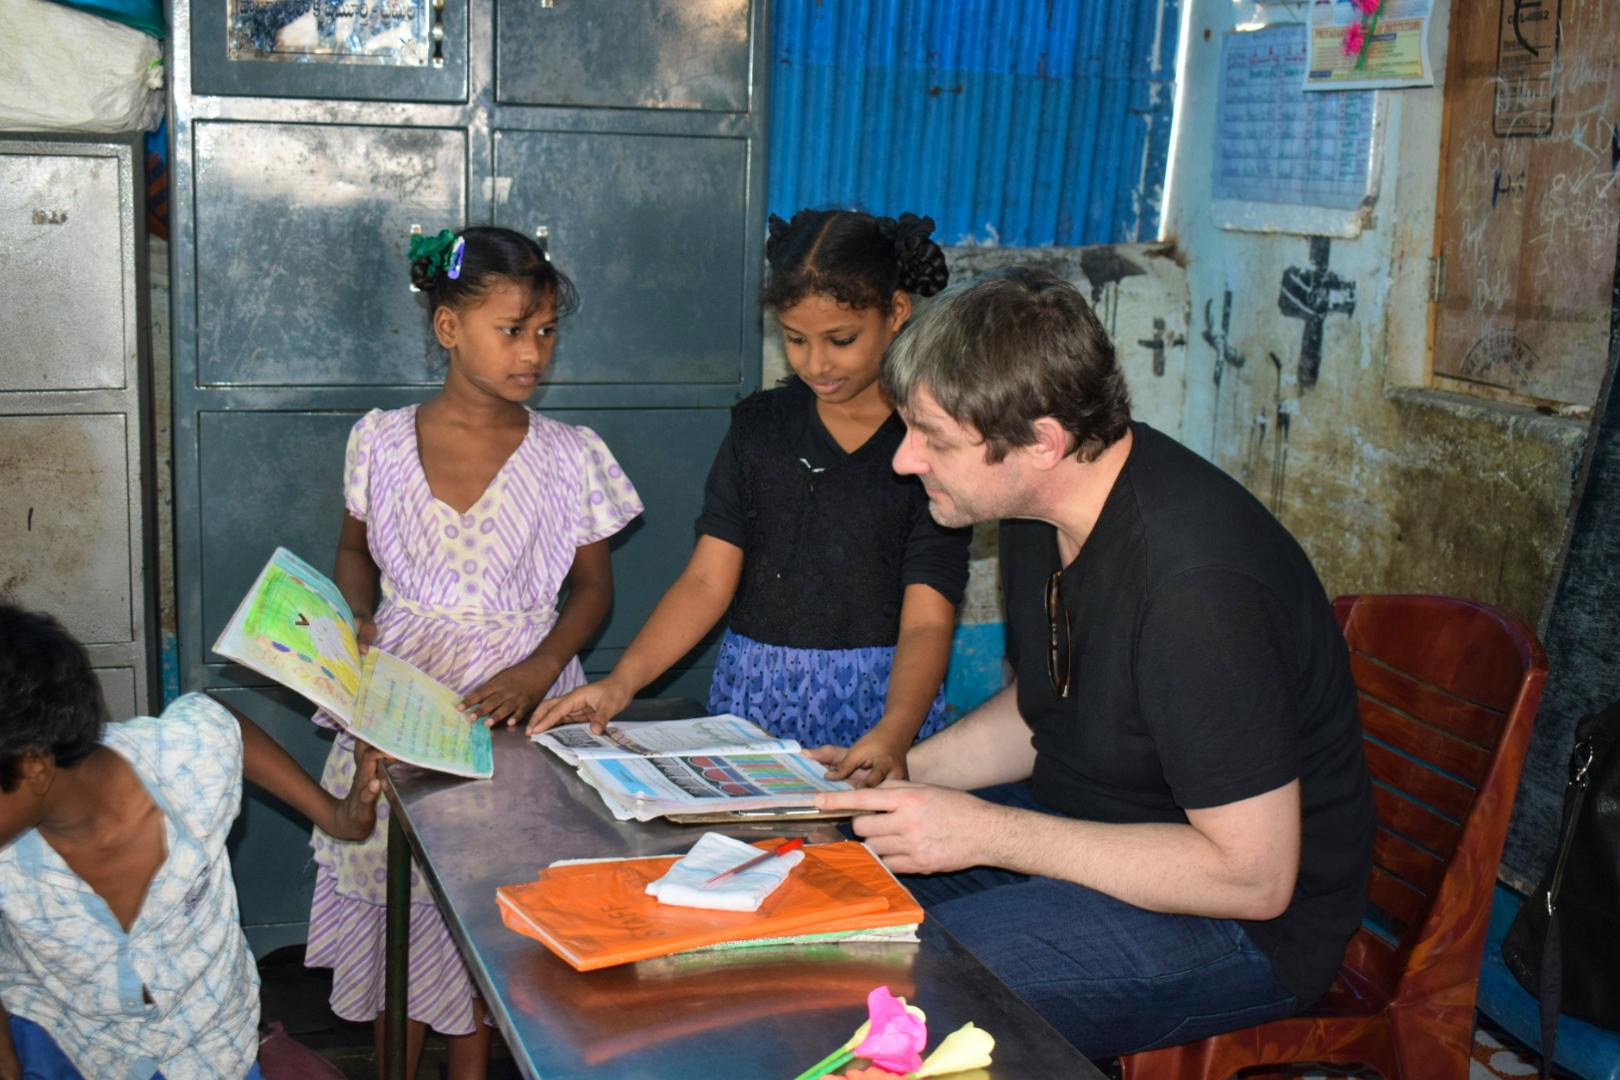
(896, 1038)
(1367, 7)
(1355, 36)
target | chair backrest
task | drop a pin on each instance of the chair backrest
(1448, 691)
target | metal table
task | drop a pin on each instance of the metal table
(757, 1014)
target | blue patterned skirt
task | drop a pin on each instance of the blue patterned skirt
(813, 695)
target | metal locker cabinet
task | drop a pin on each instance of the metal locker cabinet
(647, 55)
(76, 507)
(630, 131)
(664, 268)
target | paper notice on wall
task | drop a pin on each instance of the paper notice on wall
(395, 33)
(1276, 144)
(1354, 50)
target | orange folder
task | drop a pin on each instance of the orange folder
(598, 914)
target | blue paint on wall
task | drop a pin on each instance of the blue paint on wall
(169, 658)
(1017, 122)
(976, 670)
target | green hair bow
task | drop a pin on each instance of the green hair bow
(443, 251)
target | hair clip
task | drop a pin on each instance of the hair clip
(457, 253)
(434, 248)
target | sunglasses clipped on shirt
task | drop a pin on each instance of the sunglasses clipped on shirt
(1059, 664)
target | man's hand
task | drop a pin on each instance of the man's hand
(874, 758)
(594, 704)
(510, 695)
(355, 815)
(917, 828)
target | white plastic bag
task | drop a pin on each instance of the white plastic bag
(65, 70)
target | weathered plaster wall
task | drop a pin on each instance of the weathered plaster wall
(1390, 486)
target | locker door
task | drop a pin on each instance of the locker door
(75, 479)
(301, 237)
(633, 54)
(646, 226)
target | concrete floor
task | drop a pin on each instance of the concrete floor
(296, 996)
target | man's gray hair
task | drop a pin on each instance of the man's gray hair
(1003, 350)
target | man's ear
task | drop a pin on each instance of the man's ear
(1051, 445)
(446, 326)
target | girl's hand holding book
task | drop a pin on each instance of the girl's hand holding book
(355, 815)
(512, 694)
(365, 631)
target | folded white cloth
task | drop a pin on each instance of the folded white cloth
(683, 884)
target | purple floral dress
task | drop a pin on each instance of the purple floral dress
(464, 596)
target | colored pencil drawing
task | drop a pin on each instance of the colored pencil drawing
(304, 635)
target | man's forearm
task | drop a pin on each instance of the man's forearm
(1173, 868)
(990, 745)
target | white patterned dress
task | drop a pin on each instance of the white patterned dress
(464, 596)
(177, 991)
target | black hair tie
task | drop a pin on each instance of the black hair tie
(920, 259)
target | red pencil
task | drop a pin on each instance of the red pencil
(780, 849)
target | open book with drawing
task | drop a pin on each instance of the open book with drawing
(677, 768)
(295, 627)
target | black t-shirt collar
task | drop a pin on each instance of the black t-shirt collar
(1113, 523)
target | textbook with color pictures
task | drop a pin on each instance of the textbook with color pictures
(680, 768)
(295, 627)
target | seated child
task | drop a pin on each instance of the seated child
(121, 953)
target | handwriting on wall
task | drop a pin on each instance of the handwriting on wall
(1529, 198)
(1526, 99)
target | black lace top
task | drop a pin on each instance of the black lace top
(831, 539)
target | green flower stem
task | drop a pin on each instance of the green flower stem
(1370, 26)
(826, 1064)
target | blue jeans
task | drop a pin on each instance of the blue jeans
(42, 1059)
(1112, 978)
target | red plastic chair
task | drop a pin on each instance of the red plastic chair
(1449, 689)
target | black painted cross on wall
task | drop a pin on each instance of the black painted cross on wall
(1312, 294)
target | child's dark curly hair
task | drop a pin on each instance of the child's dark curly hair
(855, 258)
(50, 701)
(490, 256)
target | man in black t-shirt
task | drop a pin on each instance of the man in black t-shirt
(1170, 826)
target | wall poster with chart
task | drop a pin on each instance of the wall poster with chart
(1287, 160)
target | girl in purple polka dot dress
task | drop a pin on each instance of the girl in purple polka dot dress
(467, 516)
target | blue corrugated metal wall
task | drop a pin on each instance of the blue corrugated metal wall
(1018, 122)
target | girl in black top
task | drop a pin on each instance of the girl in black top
(842, 590)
